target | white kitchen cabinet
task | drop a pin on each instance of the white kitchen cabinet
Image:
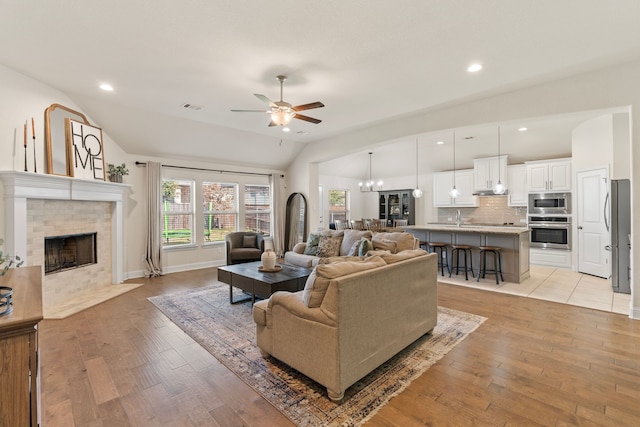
(442, 184)
(488, 171)
(517, 178)
(549, 175)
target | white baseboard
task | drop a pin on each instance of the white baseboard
(635, 313)
(175, 269)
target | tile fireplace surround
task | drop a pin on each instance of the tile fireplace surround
(24, 192)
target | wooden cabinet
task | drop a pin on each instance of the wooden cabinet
(488, 171)
(19, 348)
(517, 176)
(396, 204)
(549, 175)
(442, 184)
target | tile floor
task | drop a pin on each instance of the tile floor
(555, 284)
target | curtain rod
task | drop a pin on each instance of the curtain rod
(207, 170)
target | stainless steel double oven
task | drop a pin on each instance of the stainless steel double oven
(549, 218)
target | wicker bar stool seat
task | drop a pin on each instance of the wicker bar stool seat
(465, 251)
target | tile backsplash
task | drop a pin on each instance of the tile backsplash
(492, 210)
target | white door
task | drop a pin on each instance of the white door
(592, 232)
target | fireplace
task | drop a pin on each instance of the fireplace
(62, 253)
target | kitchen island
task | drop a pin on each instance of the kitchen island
(514, 242)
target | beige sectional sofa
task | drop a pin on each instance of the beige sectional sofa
(301, 256)
(352, 316)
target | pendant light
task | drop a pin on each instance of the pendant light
(368, 185)
(454, 191)
(499, 188)
(417, 193)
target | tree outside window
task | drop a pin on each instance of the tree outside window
(220, 209)
(338, 205)
(257, 208)
(177, 212)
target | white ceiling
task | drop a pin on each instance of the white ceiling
(367, 61)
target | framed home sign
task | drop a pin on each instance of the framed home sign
(86, 150)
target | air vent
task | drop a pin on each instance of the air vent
(192, 107)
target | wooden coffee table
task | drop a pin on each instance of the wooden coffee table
(247, 277)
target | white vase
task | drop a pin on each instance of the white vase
(268, 259)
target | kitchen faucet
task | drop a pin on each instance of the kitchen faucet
(458, 218)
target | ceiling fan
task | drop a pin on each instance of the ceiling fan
(282, 112)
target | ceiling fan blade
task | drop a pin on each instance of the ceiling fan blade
(306, 118)
(265, 99)
(272, 123)
(250, 111)
(308, 106)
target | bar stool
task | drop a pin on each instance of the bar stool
(442, 255)
(497, 262)
(456, 250)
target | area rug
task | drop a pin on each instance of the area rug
(228, 332)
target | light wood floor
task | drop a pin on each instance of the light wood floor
(533, 362)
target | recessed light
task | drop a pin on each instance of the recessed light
(106, 87)
(440, 142)
(285, 129)
(523, 129)
(474, 68)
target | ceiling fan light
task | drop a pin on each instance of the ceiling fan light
(281, 117)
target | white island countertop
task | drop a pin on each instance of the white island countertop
(470, 228)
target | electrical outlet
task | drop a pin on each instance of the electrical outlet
(524, 220)
(449, 219)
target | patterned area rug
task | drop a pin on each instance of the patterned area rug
(228, 333)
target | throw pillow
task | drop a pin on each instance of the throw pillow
(403, 240)
(353, 250)
(312, 245)
(365, 247)
(329, 246)
(250, 242)
(352, 236)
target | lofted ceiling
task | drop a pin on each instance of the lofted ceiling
(367, 61)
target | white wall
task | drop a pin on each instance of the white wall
(24, 98)
(607, 88)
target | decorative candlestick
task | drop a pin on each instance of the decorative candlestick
(25, 147)
(33, 134)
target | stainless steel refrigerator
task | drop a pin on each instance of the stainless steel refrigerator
(619, 225)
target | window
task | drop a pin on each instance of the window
(257, 209)
(338, 205)
(177, 212)
(220, 208)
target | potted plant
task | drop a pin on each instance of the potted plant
(116, 172)
(6, 261)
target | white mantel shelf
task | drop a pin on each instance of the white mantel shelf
(20, 186)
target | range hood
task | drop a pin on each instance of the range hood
(486, 193)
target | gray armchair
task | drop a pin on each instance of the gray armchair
(244, 246)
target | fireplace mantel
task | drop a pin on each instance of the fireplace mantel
(20, 186)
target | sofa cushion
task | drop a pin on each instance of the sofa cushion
(312, 244)
(402, 255)
(340, 258)
(352, 236)
(329, 246)
(404, 241)
(319, 279)
(385, 245)
(250, 241)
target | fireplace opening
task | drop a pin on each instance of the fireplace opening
(71, 251)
